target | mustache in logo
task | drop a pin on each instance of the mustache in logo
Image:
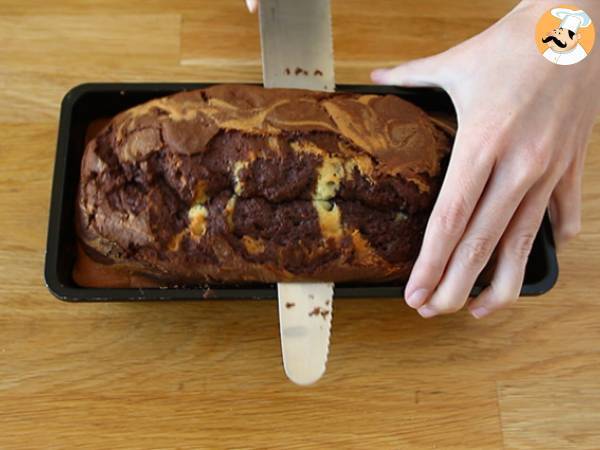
(556, 41)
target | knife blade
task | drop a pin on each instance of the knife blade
(297, 52)
(297, 45)
(305, 311)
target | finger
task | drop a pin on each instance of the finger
(553, 213)
(468, 172)
(566, 205)
(513, 252)
(252, 5)
(417, 73)
(503, 194)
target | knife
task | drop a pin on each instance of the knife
(297, 52)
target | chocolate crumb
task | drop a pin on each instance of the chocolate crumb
(318, 73)
(290, 305)
(327, 302)
(305, 72)
(315, 312)
(298, 71)
(287, 71)
(311, 296)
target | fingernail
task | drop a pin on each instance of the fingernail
(378, 75)
(417, 298)
(479, 312)
(427, 312)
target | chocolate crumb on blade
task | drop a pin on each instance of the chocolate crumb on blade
(243, 184)
(318, 311)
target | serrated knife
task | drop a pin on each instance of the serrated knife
(297, 52)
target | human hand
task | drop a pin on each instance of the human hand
(520, 145)
(252, 5)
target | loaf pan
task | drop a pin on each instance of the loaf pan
(88, 102)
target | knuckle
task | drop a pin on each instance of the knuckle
(523, 244)
(475, 252)
(570, 231)
(523, 177)
(505, 296)
(505, 300)
(452, 217)
(536, 160)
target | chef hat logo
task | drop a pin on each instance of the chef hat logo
(565, 35)
(571, 20)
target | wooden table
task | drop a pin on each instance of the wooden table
(207, 374)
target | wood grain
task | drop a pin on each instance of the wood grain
(207, 374)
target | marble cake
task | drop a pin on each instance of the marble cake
(239, 183)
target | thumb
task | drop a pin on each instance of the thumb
(424, 72)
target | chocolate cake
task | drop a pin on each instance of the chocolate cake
(244, 184)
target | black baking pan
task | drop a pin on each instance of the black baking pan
(88, 102)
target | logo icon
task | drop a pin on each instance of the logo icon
(565, 35)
